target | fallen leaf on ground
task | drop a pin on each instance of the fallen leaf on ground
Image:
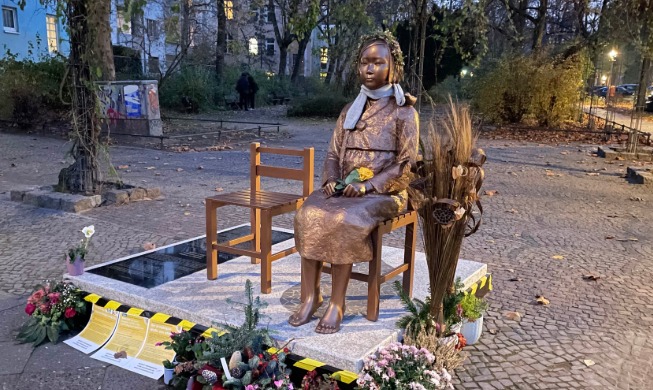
(542, 300)
(492, 331)
(513, 315)
(180, 169)
(558, 257)
(514, 279)
(120, 355)
(219, 189)
(589, 362)
(592, 173)
(186, 212)
(619, 158)
(149, 168)
(510, 270)
(148, 246)
(636, 199)
(609, 237)
(627, 239)
(591, 277)
(512, 211)
(123, 166)
(200, 167)
(203, 202)
(550, 173)
(564, 152)
(490, 192)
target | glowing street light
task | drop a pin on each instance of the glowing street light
(613, 55)
(463, 72)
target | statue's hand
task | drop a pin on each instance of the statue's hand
(356, 189)
(329, 188)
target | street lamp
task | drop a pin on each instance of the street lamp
(463, 72)
(613, 55)
(610, 90)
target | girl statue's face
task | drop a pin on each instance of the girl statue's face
(374, 66)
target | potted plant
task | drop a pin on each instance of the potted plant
(472, 313)
(168, 371)
(77, 255)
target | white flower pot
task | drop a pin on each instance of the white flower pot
(472, 330)
(167, 375)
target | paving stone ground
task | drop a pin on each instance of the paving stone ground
(533, 217)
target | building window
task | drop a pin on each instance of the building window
(264, 15)
(253, 46)
(9, 20)
(124, 23)
(171, 26)
(269, 46)
(230, 42)
(153, 65)
(229, 9)
(152, 28)
(53, 37)
(324, 55)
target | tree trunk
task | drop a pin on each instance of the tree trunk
(185, 37)
(300, 57)
(540, 26)
(424, 17)
(221, 44)
(640, 104)
(83, 175)
(99, 12)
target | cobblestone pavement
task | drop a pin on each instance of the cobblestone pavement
(533, 217)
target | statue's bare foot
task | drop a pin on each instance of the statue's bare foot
(330, 321)
(305, 312)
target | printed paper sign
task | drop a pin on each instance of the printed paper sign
(99, 329)
(149, 361)
(126, 342)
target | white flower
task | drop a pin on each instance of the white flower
(460, 211)
(89, 231)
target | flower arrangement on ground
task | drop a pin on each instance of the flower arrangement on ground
(54, 308)
(252, 364)
(81, 250)
(313, 381)
(399, 366)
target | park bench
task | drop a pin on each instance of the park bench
(263, 206)
(278, 99)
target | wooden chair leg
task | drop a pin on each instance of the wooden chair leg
(409, 257)
(266, 252)
(255, 221)
(374, 277)
(211, 239)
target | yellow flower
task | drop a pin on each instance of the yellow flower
(365, 173)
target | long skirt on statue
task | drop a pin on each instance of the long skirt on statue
(337, 230)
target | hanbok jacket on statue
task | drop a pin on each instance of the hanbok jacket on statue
(337, 229)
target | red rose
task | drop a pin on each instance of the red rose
(54, 297)
(29, 309)
(70, 312)
(286, 350)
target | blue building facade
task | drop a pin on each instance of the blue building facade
(32, 32)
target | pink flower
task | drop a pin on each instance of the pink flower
(249, 387)
(69, 313)
(45, 308)
(29, 309)
(160, 343)
(278, 383)
(37, 295)
(391, 372)
(54, 297)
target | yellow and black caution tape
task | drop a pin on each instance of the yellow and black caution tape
(481, 287)
(300, 364)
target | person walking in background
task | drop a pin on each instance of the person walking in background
(253, 88)
(242, 86)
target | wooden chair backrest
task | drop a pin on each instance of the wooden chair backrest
(305, 175)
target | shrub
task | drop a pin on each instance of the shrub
(193, 82)
(451, 86)
(473, 307)
(327, 105)
(515, 87)
(29, 89)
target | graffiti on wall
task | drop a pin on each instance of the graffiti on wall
(153, 102)
(129, 101)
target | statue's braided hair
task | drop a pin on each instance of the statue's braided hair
(397, 68)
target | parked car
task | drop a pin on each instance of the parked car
(620, 91)
(632, 88)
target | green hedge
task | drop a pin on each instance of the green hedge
(326, 105)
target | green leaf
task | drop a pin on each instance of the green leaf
(247, 378)
(98, 72)
(352, 177)
(53, 334)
